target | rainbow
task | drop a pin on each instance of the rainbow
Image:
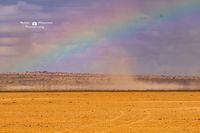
(124, 22)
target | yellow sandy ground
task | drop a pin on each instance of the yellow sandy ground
(100, 112)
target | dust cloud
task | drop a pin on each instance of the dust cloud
(121, 66)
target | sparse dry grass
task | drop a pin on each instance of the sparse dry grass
(100, 112)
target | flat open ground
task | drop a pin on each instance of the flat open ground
(100, 112)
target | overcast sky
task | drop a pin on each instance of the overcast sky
(101, 36)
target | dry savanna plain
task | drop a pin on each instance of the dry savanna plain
(43, 102)
(100, 112)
